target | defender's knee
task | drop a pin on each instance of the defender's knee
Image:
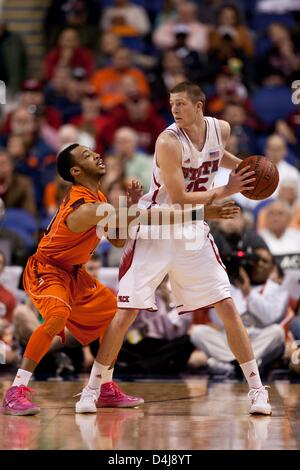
(55, 322)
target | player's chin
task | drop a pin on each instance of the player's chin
(101, 171)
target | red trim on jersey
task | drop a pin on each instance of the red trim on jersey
(154, 195)
(206, 306)
(127, 258)
(215, 250)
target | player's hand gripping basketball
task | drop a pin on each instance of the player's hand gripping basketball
(224, 210)
(134, 193)
(240, 181)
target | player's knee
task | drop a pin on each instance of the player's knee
(124, 318)
(54, 324)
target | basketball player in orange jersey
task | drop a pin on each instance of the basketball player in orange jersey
(187, 157)
(66, 295)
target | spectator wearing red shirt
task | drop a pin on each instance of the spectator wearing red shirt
(68, 53)
(138, 114)
(91, 120)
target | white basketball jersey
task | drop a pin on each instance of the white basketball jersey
(199, 168)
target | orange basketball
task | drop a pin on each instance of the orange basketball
(267, 177)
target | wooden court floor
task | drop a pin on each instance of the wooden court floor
(189, 414)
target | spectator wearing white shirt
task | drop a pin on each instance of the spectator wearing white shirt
(164, 36)
(276, 151)
(262, 304)
(125, 19)
(280, 238)
(284, 243)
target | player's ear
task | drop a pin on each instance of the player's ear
(199, 105)
(75, 171)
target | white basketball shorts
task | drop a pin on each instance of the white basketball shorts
(198, 277)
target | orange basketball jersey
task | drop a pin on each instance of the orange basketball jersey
(64, 247)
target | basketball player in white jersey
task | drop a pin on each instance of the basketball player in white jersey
(187, 157)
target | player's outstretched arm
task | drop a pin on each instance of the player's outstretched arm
(168, 153)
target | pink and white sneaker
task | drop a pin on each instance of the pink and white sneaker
(17, 402)
(111, 396)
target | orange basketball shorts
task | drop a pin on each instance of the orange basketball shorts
(90, 306)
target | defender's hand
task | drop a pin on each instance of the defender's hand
(225, 210)
(134, 193)
(241, 180)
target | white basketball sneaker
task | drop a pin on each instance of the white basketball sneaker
(87, 402)
(259, 401)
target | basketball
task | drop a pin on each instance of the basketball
(267, 177)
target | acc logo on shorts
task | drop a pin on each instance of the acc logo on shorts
(123, 298)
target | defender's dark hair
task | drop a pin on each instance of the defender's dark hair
(65, 162)
(193, 91)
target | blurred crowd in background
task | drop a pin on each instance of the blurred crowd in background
(98, 72)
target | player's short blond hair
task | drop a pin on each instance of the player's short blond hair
(193, 91)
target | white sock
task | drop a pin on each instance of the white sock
(100, 374)
(22, 377)
(251, 374)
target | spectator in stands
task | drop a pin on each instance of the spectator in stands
(78, 14)
(68, 53)
(108, 81)
(281, 239)
(227, 89)
(32, 95)
(13, 63)
(7, 299)
(229, 23)
(157, 343)
(164, 36)
(284, 243)
(39, 161)
(233, 236)
(236, 115)
(262, 304)
(16, 148)
(137, 165)
(288, 193)
(91, 119)
(15, 189)
(138, 113)
(169, 72)
(282, 55)
(167, 12)
(276, 150)
(109, 43)
(66, 90)
(54, 194)
(125, 19)
(115, 172)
